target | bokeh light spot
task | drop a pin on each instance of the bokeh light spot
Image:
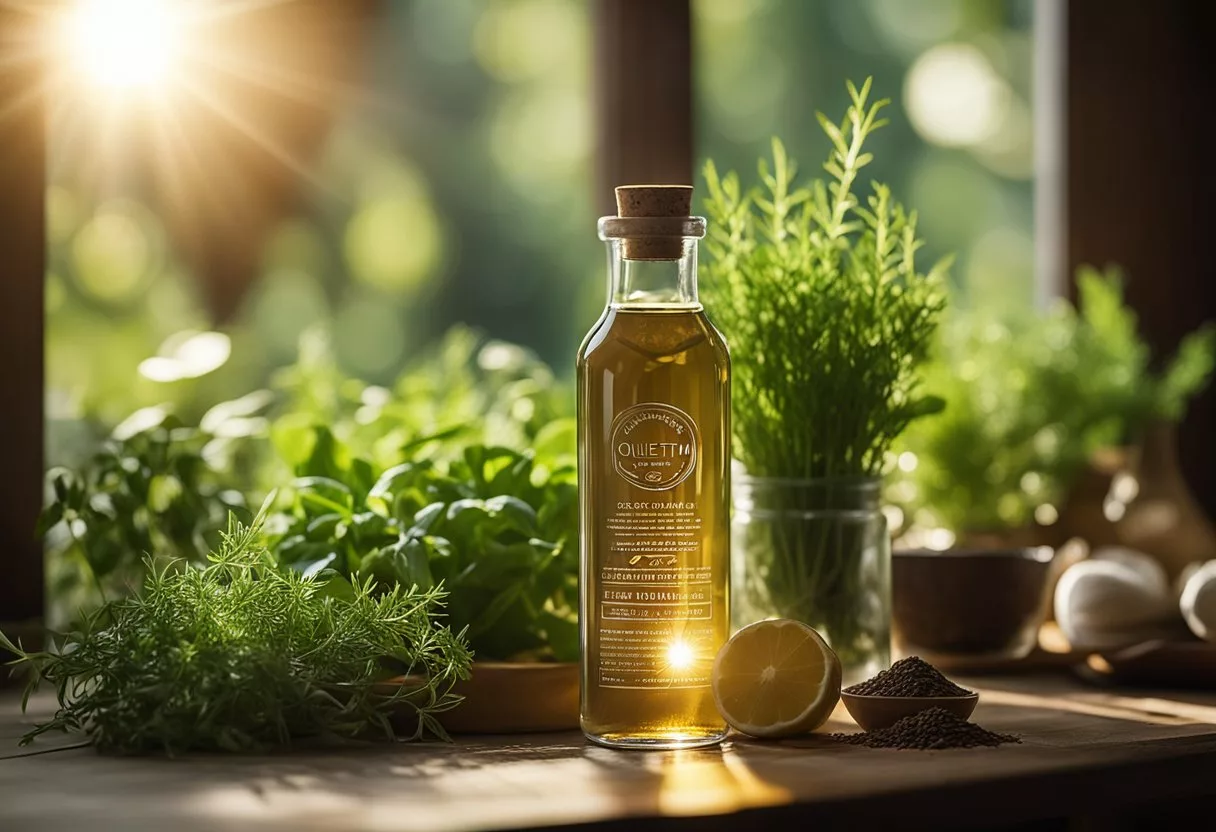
(524, 39)
(541, 139)
(954, 97)
(1046, 514)
(187, 354)
(393, 243)
(112, 253)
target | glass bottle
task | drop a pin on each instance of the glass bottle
(654, 485)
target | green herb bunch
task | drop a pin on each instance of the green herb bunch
(827, 313)
(1032, 397)
(829, 317)
(240, 654)
(496, 529)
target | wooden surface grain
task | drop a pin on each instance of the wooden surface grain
(1084, 750)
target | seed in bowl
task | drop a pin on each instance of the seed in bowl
(912, 676)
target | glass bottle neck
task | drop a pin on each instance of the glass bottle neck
(652, 283)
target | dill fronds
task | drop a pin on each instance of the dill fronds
(241, 654)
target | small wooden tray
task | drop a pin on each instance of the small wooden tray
(515, 698)
(1178, 664)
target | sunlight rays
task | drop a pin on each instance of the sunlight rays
(143, 85)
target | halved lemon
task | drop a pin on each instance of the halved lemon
(776, 678)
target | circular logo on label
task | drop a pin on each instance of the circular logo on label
(654, 446)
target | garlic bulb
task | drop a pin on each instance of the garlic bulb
(1147, 568)
(1114, 598)
(1198, 601)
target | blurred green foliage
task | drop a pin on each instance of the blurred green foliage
(1029, 398)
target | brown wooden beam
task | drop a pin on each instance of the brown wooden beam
(643, 87)
(1140, 126)
(22, 268)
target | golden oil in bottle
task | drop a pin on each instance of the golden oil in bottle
(654, 485)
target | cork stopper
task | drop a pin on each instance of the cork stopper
(655, 242)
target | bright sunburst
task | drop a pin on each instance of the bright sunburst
(680, 656)
(123, 44)
(167, 86)
(208, 111)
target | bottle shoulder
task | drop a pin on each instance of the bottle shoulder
(595, 336)
(650, 333)
(715, 335)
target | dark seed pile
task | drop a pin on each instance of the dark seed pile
(912, 676)
(931, 729)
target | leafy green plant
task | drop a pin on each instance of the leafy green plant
(148, 491)
(1031, 397)
(498, 532)
(240, 654)
(829, 317)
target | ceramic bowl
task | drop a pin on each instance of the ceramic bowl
(874, 713)
(979, 604)
(514, 698)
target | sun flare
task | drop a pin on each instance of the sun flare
(680, 656)
(124, 44)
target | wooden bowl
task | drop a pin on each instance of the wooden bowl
(965, 605)
(874, 713)
(515, 698)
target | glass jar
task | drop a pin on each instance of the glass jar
(818, 551)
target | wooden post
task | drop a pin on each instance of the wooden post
(22, 267)
(643, 87)
(1140, 123)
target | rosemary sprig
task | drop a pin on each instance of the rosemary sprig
(241, 654)
(827, 313)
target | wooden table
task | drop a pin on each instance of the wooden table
(1088, 752)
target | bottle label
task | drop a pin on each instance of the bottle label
(656, 599)
(654, 446)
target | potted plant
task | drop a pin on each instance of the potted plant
(1045, 418)
(829, 317)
